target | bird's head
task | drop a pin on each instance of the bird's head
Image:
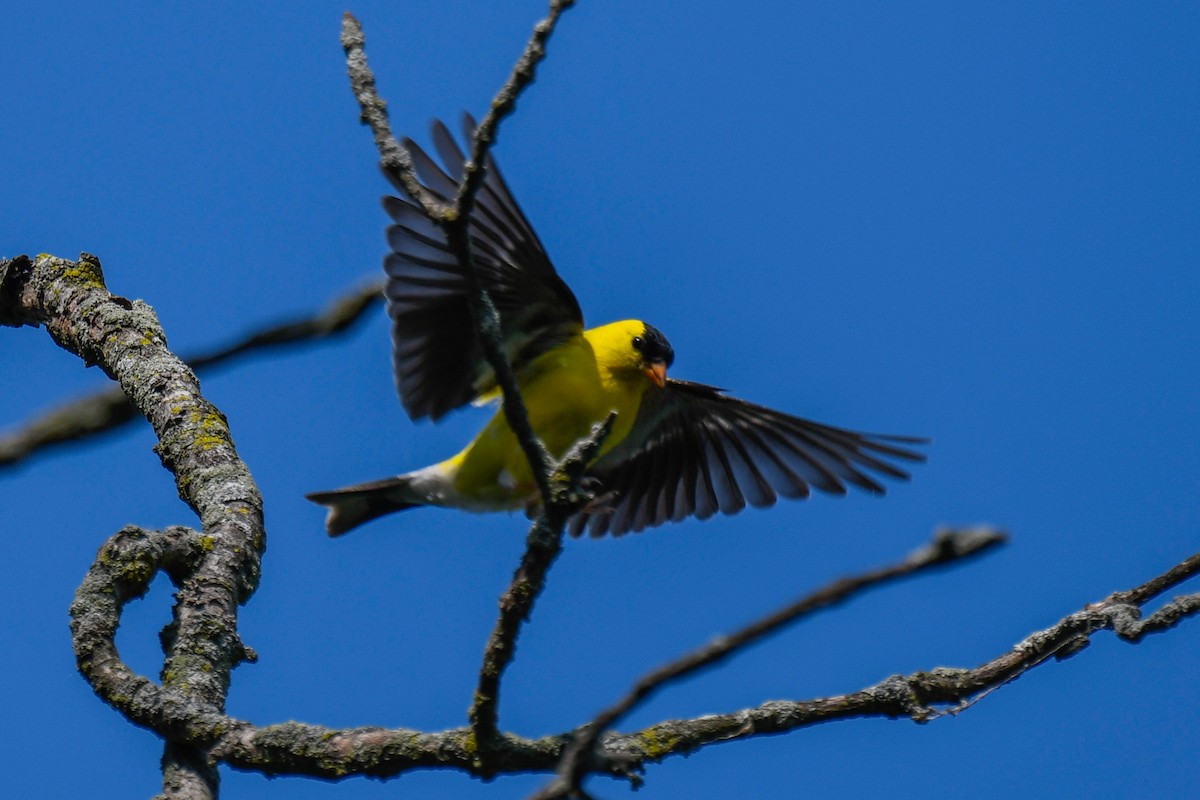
(656, 352)
(632, 347)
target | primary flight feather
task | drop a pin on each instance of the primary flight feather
(677, 449)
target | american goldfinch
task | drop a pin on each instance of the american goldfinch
(677, 449)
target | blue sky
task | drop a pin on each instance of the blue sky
(975, 222)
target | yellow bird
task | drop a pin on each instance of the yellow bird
(677, 449)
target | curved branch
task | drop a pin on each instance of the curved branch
(109, 408)
(127, 563)
(124, 338)
(947, 547)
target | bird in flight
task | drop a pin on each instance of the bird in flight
(677, 449)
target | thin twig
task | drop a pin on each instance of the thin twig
(394, 159)
(555, 482)
(129, 561)
(109, 408)
(458, 236)
(544, 542)
(542, 546)
(948, 546)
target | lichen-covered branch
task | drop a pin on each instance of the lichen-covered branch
(580, 758)
(925, 696)
(124, 338)
(129, 561)
(542, 547)
(109, 408)
(557, 482)
(454, 218)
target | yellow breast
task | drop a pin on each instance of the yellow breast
(566, 391)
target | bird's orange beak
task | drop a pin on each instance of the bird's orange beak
(657, 373)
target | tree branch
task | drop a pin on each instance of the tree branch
(109, 408)
(928, 695)
(454, 219)
(542, 546)
(395, 161)
(556, 481)
(580, 758)
(217, 568)
(458, 236)
(127, 564)
(125, 339)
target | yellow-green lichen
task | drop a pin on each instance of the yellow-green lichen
(215, 432)
(523, 591)
(86, 273)
(333, 766)
(657, 743)
(208, 442)
(138, 572)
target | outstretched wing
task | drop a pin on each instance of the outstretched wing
(694, 451)
(436, 354)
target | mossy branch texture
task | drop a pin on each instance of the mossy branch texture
(124, 338)
(217, 566)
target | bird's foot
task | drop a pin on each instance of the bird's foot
(597, 499)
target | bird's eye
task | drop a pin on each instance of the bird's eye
(638, 343)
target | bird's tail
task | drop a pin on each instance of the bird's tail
(351, 506)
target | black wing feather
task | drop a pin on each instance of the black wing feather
(436, 355)
(694, 451)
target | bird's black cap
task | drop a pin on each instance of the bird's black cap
(654, 346)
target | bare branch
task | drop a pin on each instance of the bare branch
(504, 104)
(948, 546)
(556, 482)
(128, 562)
(397, 164)
(455, 220)
(920, 696)
(394, 160)
(542, 546)
(187, 774)
(1152, 588)
(458, 236)
(125, 339)
(338, 316)
(109, 408)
